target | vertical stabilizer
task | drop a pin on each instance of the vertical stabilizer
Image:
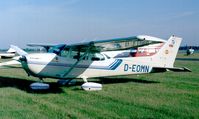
(167, 54)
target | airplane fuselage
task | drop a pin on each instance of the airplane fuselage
(54, 66)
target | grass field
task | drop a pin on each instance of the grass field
(161, 95)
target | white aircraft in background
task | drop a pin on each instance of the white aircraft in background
(93, 59)
(190, 51)
(9, 54)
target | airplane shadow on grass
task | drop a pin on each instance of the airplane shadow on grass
(111, 80)
(24, 84)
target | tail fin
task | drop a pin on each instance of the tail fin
(167, 54)
(10, 50)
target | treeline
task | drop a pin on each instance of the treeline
(188, 47)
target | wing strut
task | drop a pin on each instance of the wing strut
(78, 60)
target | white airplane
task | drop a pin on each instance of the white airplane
(89, 60)
(190, 51)
(9, 54)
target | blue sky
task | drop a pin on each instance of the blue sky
(72, 21)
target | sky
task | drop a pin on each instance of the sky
(73, 21)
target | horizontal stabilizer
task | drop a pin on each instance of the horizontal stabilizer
(175, 69)
(179, 69)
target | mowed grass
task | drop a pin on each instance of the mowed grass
(161, 95)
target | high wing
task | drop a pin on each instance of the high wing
(117, 44)
(106, 45)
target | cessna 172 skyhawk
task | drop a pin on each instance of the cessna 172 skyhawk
(93, 59)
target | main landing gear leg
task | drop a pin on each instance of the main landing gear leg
(84, 79)
(64, 82)
(41, 80)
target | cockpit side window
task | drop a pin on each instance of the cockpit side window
(70, 53)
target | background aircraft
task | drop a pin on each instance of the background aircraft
(9, 54)
(190, 51)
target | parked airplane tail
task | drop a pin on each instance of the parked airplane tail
(167, 54)
(10, 50)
